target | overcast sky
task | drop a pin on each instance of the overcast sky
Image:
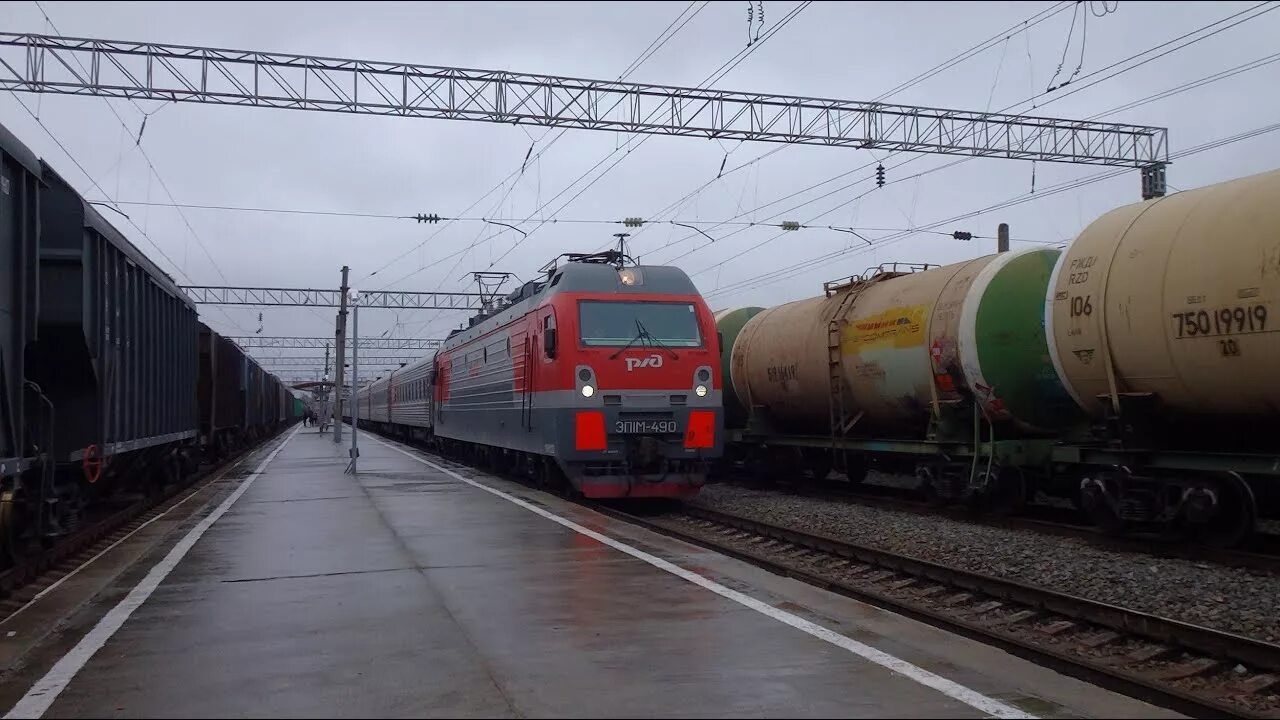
(857, 51)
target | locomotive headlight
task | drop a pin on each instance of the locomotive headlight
(588, 391)
(701, 390)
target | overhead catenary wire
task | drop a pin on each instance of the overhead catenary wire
(1023, 27)
(164, 186)
(1075, 16)
(792, 270)
(1030, 22)
(644, 56)
(555, 219)
(421, 217)
(97, 186)
(1262, 8)
(1185, 36)
(514, 176)
(177, 269)
(503, 221)
(978, 49)
(662, 39)
(153, 173)
(717, 74)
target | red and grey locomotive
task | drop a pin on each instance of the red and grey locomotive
(602, 373)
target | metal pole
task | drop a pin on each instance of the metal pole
(322, 393)
(339, 368)
(355, 383)
(1002, 238)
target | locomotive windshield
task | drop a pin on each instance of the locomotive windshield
(603, 324)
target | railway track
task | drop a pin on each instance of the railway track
(1261, 554)
(35, 573)
(1194, 670)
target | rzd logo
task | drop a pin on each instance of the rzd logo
(653, 361)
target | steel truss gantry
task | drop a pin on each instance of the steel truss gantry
(310, 297)
(251, 341)
(83, 66)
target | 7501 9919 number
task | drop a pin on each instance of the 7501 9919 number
(1238, 320)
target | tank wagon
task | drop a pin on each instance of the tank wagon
(1131, 372)
(101, 364)
(603, 374)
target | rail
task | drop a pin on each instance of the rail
(962, 598)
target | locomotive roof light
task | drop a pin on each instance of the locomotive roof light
(630, 276)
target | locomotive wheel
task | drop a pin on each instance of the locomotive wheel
(1235, 516)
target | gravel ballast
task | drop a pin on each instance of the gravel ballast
(1230, 599)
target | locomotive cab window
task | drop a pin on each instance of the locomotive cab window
(604, 323)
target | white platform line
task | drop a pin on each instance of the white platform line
(42, 695)
(951, 689)
(218, 478)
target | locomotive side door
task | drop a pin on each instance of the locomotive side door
(540, 349)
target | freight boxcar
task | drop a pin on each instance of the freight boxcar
(20, 184)
(239, 402)
(115, 358)
(108, 387)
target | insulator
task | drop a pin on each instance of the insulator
(962, 235)
(431, 219)
(633, 222)
(789, 225)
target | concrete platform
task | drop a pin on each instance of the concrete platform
(410, 591)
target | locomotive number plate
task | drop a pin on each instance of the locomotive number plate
(648, 427)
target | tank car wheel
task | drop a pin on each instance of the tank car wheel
(1006, 493)
(761, 469)
(931, 485)
(1224, 513)
(818, 463)
(1097, 497)
(854, 466)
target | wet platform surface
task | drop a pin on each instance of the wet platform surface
(405, 591)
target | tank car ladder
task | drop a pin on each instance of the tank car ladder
(841, 423)
(853, 287)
